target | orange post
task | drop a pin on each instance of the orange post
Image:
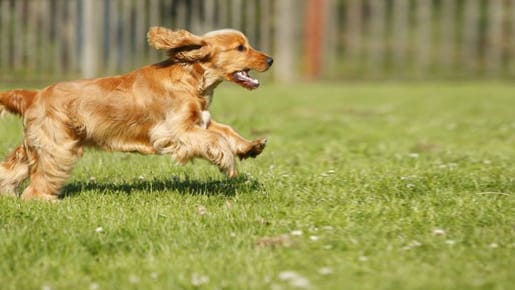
(314, 37)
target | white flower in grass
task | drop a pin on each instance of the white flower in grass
(232, 235)
(294, 279)
(287, 275)
(296, 233)
(141, 177)
(92, 179)
(201, 210)
(411, 245)
(314, 238)
(133, 279)
(493, 245)
(327, 228)
(450, 242)
(325, 271)
(328, 173)
(452, 165)
(198, 280)
(413, 155)
(99, 229)
(93, 286)
(362, 258)
(438, 232)
(300, 282)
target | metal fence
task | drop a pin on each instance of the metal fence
(332, 39)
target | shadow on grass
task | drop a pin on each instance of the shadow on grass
(227, 187)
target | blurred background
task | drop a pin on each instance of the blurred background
(309, 39)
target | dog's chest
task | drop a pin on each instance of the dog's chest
(205, 118)
(205, 114)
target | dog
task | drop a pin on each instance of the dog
(157, 109)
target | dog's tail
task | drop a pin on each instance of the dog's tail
(16, 101)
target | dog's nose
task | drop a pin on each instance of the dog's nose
(270, 61)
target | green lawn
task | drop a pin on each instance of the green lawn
(362, 186)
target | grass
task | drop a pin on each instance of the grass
(362, 186)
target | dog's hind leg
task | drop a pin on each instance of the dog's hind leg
(13, 171)
(52, 150)
(49, 170)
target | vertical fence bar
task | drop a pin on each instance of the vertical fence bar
(18, 35)
(376, 39)
(4, 36)
(400, 24)
(127, 61)
(112, 36)
(313, 36)
(181, 15)
(195, 15)
(330, 50)
(511, 52)
(153, 12)
(493, 49)
(223, 13)
(153, 20)
(139, 32)
(354, 31)
(471, 35)
(236, 14)
(73, 34)
(285, 40)
(89, 65)
(447, 41)
(32, 15)
(250, 20)
(46, 45)
(266, 23)
(423, 36)
(57, 39)
(208, 15)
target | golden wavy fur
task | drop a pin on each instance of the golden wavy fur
(157, 109)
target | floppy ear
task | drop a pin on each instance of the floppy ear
(181, 45)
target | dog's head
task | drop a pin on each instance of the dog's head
(225, 54)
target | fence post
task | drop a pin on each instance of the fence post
(314, 36)
(353, 34)
(471, 34)
(447, 35)
(377, 37)
(285, 40)
(400, 18)
(494, 37)
(423, 36)
(5, 16)
(511, 52)
(90, 16)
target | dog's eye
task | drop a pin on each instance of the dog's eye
(240, 47)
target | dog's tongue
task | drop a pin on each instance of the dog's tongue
(244, 79)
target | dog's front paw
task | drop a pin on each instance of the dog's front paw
(255, 148)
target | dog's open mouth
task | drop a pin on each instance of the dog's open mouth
(243, 79)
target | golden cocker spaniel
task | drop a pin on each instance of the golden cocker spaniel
(158, 109)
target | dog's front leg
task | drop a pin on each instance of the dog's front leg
(186, 142)
(239, 145)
